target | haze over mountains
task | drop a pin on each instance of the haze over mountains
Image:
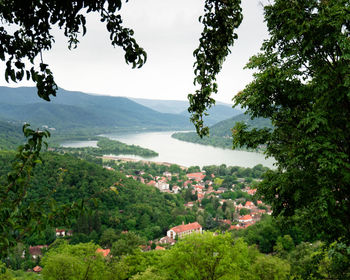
(221, 111)
(71, 109)
(76, 109)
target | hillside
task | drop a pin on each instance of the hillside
(220, 133)
(68, 179)
(11, 135)
(70, 110)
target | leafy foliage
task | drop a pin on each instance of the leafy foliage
(302, 86)
(220, 20)
(32, 36)
(18, 219)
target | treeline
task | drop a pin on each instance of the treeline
(215, 141)
(207, 256)
(106, 147)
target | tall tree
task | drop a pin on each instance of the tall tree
(302, 84)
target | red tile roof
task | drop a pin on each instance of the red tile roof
(196, 176)
(246, 218)
(37, 269)
(251, 192)
(104, 252)
(182, 228)
(249, 204)
(159, 248)
(151, 183)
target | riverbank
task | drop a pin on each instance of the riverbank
(125, 159)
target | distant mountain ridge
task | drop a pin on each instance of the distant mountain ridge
(221, 111)
(71, 109)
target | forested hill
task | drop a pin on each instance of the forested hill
(221, 111)
(136, 207)
(220, 133)
(11, 135)
(70, 110)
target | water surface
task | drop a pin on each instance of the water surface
(189, 154)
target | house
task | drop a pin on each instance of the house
(249, 205)
(226, 221)
(251, 191)
(60, 232)
(159, 248)
(104, 252)
(152, 183)
(36, 251)
(162, 184)
(37, 269)
(236, 227)
(176, 189)
(186, 183)
(167, 240)
(198, 188)
(200, 196)
(189, 204)
(198, 176)
(239, 206)
(167, 174)
(245, 219)
(183, 230)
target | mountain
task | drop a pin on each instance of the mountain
(223, 128)
(71, 109)
(163, 106)
(217, 113)
(220, 133)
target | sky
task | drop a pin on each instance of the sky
(169, 32)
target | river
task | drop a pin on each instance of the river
(182, 153)
(189, 154)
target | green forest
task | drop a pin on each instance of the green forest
(128, 216)
(68, 214)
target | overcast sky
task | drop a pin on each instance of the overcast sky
(169, 32)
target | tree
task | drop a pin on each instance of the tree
(74, 262)
(18, 219)
(268, 267)
(302, 85)
(207, 257)
(127, 244)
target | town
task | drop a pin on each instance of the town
(237, 207)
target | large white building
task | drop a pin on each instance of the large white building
(183, 230)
